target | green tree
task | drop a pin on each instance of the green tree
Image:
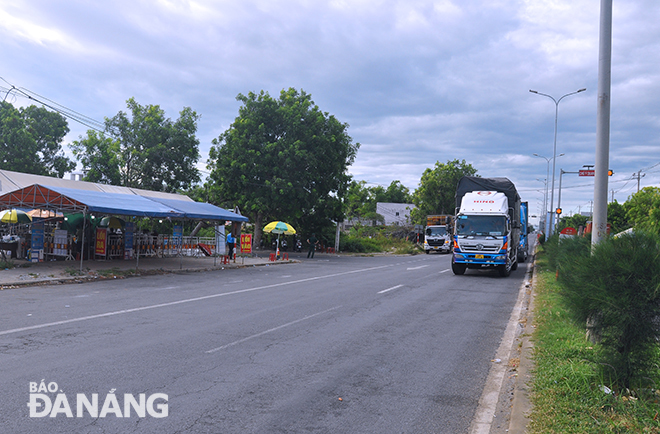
(361, 201)
(100, 157)
(357, 199)
(643, 209)
(616, 217)
(146, 151)
(283, 159)
(574, 221)
(31, 141)
(436, 193)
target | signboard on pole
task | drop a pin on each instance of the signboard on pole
(129, 228)
(101, 241)
(585, 172)
(246, 243)
(37, 247)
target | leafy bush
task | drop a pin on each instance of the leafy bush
(374, 240)
(358, 244)
(617, 284)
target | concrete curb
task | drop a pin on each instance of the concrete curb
(126, 273)
(521, 404)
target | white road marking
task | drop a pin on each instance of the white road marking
(389, 289)
(417, 268)
(240, 341)
(483, 417)
(444, 271)
(188, 300)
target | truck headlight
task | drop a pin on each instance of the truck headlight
(500, 258)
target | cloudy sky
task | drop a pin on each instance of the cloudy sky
(418, 81)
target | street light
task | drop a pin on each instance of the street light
(544, 214)
(554, 149)
(545, 199)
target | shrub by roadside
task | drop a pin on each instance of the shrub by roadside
(573, 391)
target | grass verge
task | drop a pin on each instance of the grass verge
(569, 393)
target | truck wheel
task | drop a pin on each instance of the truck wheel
(504, 271)
(458, 269)
(427, 251)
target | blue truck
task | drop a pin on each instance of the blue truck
(523, 246)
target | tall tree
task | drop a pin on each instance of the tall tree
(283, 159)
(643, 209)
(146, 151)
(31, 141)
(437, 189)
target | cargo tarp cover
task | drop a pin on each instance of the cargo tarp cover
(474, 183)
(70, 199)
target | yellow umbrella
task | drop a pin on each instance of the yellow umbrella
(278, 228)
(14, 216)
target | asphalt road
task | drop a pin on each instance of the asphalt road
(335, 344)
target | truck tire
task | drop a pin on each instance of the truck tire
(427, 251)
(504, 271)
(458, 269)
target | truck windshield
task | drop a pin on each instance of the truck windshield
(436, 232)
(482, 225)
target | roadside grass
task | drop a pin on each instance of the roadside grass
(378, 240)
(115, 272)
(570, 393)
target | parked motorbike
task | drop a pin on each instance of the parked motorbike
(298, 246)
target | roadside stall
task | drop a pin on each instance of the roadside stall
(108, 238)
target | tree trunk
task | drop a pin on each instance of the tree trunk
(258, 226)
(199, 226)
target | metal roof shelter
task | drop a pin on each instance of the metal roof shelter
(10, 181)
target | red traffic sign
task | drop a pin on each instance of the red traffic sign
(584, 172)
(568, 231)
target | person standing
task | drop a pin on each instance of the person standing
(312, 241)
(231, 241)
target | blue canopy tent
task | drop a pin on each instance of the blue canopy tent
(91, 201)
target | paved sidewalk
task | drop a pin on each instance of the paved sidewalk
(52, 272)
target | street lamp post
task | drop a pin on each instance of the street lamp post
(554, 149)
(544, 214)
(545, 199)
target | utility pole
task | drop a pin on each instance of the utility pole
(639, 177)
(603, 123)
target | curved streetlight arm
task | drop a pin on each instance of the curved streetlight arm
(554, 149)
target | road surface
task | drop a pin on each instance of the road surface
(387, 344)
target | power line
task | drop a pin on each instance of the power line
(64, 111)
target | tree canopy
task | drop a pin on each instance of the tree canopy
(146, 151)
(643, 209)
(437, 189)
(31, 141)
(361, 200)
(283, 159)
